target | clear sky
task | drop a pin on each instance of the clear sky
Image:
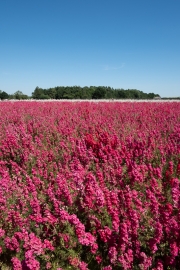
(117, 43)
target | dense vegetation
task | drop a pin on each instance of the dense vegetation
(89, 186)
(77, 92)
(17, 95)
(92, 92)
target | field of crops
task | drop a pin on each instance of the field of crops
(89, 185)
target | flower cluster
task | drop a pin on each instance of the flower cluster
(90, 185)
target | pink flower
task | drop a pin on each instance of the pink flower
(11, 243)
(174, 249)
(146, 261)
(48, 265)
(107, 268)
(87, 239)
(112, 254)
(83, 266)
(34, 243)
(74, 261)
(94, 248)
(2, 232)
(30, 261)
(99, 259)
(159, 266)
(47, 244)
(16, 263)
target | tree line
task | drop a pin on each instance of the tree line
(17, 95)
(77, 92)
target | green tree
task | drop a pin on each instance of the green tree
(99, 93)
(44, 96)
(19, 95)
(51, 92)
(120, 93)
(59, 92)
(38, 92)
(151, 95)
(3, 95)
(92, 92)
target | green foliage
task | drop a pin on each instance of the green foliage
(38, 93)
(92, 92)
(99, 93)
(19, 95)
(77, 92)
(3, 95)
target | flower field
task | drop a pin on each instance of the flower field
(89, 185)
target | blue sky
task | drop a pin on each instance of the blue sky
(117, 43)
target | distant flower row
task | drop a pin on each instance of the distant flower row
(93, 100)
